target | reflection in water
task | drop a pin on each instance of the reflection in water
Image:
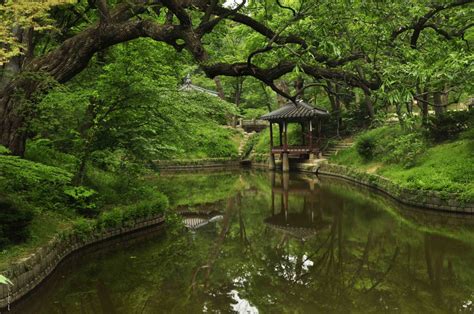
(301, 224)
(279, 243)
(194, 222)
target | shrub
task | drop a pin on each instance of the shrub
(405, 149)
(121, 215)
(83, 200)
(254, 113)
(448, 125)
(34, 183)
(249, 145)
(4, 150)
(365, 146)
(25, 174)
(110, 219)
(42, 151)
(13, 223)
(83, 228)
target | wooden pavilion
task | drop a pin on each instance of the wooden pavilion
(309, 118)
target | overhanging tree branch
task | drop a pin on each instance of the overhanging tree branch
(419, 24)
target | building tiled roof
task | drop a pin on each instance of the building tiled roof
(191, 87)
(188, 86)
(300, 110)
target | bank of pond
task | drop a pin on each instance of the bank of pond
(254, 241)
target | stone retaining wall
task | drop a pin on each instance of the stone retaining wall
(420, 198)
(28, 273)
(440, 201)
(181, 165)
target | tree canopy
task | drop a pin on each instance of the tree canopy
(390, 53)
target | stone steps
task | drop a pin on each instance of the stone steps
(334, 149)
(243, 143)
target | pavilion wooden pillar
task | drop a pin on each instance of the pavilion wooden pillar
(311, 155)
(280, 130)
(271, 163)
(285, 162)
(302, 133)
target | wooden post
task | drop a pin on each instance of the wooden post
(285, 135)
(302, 133)
(271, 135)
(285, 163)
(311, 155)
(280, 129)
(271, 162)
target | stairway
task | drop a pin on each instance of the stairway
(334, 149)
(244, 141)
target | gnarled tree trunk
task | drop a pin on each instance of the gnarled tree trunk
(12, 128)
(61, 65)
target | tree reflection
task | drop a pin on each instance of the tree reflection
(285, 243)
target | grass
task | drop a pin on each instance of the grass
(43, 228)
(40, 191)
(445, 167)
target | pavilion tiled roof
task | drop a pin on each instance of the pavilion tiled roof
(300, 110)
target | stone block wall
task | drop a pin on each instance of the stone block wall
(449, 202)
(183, 165)
(29, 272)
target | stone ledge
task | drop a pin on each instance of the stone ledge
(177, 165)
(29, 272)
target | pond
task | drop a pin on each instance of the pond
(262, 242)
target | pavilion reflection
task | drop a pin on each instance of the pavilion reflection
(305, 219)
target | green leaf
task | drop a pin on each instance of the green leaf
(4, 280)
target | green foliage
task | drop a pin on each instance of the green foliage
(83, 200)
(4, 150)
(449, 125)
(5, 281)
(42, 151)
(249, 146)
(444, 167)
(133, 107)
(14, 223)
(83, 227)
(365, 146)
(405, 149)
(417, 165)
(24, 174)
(119, 216)
(36, 184)
(254, 113)
(212, 142)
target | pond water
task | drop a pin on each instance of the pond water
(271, 243)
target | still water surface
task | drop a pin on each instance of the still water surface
(266, 243)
